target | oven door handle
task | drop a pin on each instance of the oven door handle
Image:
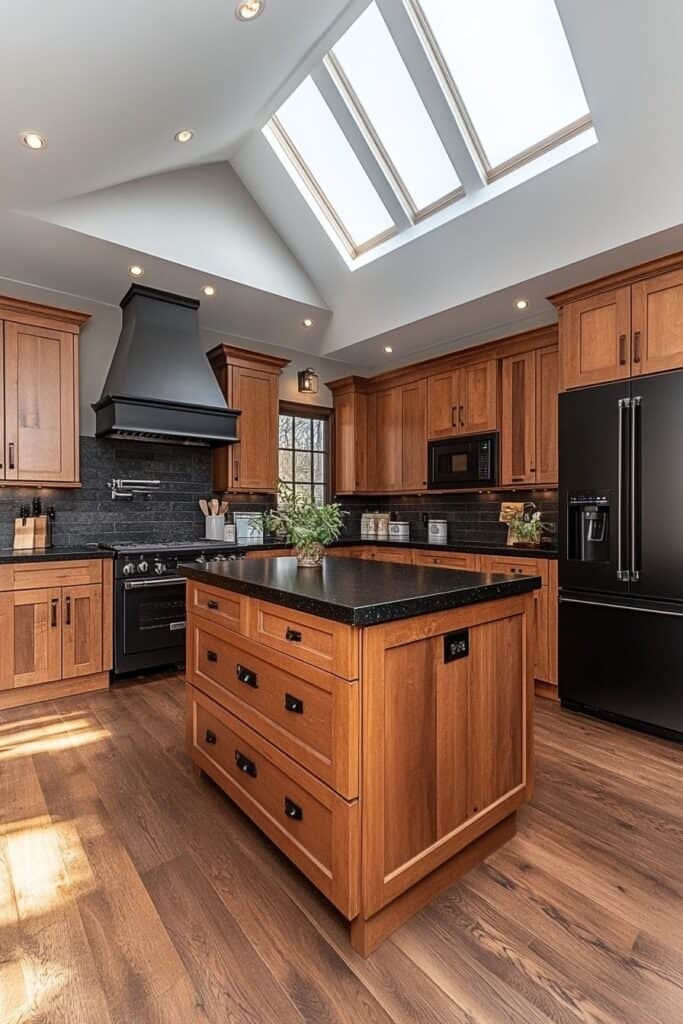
(168, 581)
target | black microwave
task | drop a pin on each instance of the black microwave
(462, 462)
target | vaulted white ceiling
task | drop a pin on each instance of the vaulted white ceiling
(110, 84)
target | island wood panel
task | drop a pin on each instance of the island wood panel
(218, 606)
(41, 400)
(315, 828)
(81, 631)
(657, 323)
(595, 339)
(518, 457)
(414, 435)
(547, 388)
(321, 642)
(313, 716)
(414, 790)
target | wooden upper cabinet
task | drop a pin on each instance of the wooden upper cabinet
(463, 401)
(81, 631)
(595, 339)
(250, 383)
(547, 387)
(389, 440)
(478, 397)
(414, 435)
(518, 436)
(351, 449)
(657, 323)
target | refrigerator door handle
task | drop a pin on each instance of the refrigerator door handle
(635, 486)
(622, 574)
(622, 607)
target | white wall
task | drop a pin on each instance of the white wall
(99, 337)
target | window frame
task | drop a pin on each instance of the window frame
(306, 410)
(367, 128)
(459, 108)
(295, 158)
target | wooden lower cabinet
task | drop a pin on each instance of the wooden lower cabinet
(380, 809)
(55, 640)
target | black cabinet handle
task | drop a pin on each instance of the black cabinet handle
(622, 350)
(67, 603)
(211, 656)
(210, 737)
(294, 704)
(293, 810)
(636, 347)
(55, 602)
(11, 454)
(245, 764)
(245, 675)
(454, 410)
(213, 605)
(293, 634)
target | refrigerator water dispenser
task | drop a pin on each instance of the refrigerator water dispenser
(588, 535)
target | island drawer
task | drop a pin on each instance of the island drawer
(312, 825)
(218, 606)
(310, 714)
(321, 642)
(448, 560)
(516, 566)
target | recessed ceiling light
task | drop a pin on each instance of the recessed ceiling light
(521, 303)
(184, 135)
(388, 348)
(307, 322)
(209, 289)
(33, 140)
(249, 9)
(135, 270)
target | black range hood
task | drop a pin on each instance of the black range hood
(160, 385)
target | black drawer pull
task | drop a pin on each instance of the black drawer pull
(294, 704)
(211, 656)
(213, 605)
(245, 675)
(293, 810)
(245, 764)
(293, 634)
(210, 737)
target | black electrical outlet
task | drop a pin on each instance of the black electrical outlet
(456, 645)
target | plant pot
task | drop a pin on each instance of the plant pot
(310, 556)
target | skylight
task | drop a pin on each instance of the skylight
(509, 68)
(315, 143)
(371, 74)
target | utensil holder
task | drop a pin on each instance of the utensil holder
(215, 527)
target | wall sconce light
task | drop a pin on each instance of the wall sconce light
(308, 381)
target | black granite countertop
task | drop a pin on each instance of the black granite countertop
(58, 553)
(545, 551)
(359, 592)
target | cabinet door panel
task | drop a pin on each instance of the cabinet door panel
(414, 435)
(254, 458)
(443, 404)
(478, 397)
(547, 369)
(40, 404)
(657, 311)
(519, 419)
(31, 635)
(389, 440)
(595, 339)
(82, 631)
(2, 402)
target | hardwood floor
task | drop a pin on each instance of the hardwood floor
(132, 891)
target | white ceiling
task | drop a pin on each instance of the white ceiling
(110, 83)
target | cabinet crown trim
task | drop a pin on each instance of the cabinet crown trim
(231, 355)
(619, 279)
(71, 319)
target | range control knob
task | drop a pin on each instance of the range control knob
(128, 569)
(159, 567)
(142, 566)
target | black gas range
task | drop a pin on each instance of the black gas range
(149, 599)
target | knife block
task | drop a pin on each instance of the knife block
(42, 537)
(24, 534)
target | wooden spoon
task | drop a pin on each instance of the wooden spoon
(204, 506)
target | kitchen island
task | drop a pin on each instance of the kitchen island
(374, 720)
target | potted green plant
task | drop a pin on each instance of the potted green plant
(527, 528)
(309, 526)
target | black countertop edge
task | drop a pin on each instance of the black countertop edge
(464, 546)
(58, 553)
(415, 590)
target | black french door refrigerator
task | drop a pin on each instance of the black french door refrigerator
(621, 552)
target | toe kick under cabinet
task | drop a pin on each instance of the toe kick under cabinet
(55, 629)
(381, 768)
